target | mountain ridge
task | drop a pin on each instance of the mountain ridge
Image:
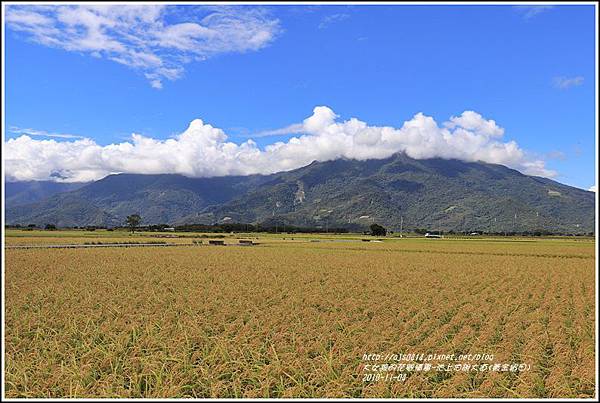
(434, 193)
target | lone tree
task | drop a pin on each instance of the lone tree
(50, 227)
(378, 230)
(133, 221)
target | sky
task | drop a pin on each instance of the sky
(201, 90)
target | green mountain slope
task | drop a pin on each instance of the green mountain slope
(436, 194)
(17, 193)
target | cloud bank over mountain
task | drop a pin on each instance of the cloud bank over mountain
(204, 151)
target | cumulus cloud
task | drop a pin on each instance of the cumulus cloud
(564, 83)
(156, 40)
(473, 121)
(203, 150)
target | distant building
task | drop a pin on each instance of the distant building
(169, 229)
(428, 235)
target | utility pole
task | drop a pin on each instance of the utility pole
(401, 222)
(276, 205)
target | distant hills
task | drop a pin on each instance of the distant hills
(17, 193)
(436, 194)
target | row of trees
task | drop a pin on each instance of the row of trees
(133, 222)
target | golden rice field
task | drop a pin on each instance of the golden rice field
(294, 318)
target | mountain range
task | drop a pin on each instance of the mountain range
(437, 194)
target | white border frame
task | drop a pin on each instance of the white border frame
(303, 3)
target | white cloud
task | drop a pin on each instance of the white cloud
(157, 40)
(475, 122)
(531, 11)
(156, 84)
(42, 133)
(202, 150)
(332, 19)
(295, 128)
(564, 83)
(592, 188)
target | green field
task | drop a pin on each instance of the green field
(296, 317)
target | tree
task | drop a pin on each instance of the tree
(377, 230)
(133, 221)
(50, 227)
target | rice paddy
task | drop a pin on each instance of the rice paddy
(295, 318)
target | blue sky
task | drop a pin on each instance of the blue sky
(530, 70)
